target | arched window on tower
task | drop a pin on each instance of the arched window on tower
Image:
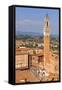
(47, 23)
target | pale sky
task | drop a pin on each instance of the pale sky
(32, 20)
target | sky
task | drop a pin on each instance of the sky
(32, 20)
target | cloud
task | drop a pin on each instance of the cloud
(23, 23)
(26, 23)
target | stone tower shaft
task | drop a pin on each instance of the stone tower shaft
(46, 39)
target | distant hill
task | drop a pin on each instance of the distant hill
(28, 33)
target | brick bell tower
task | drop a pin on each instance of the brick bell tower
(46, 39)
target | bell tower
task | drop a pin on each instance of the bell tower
(46, 39)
